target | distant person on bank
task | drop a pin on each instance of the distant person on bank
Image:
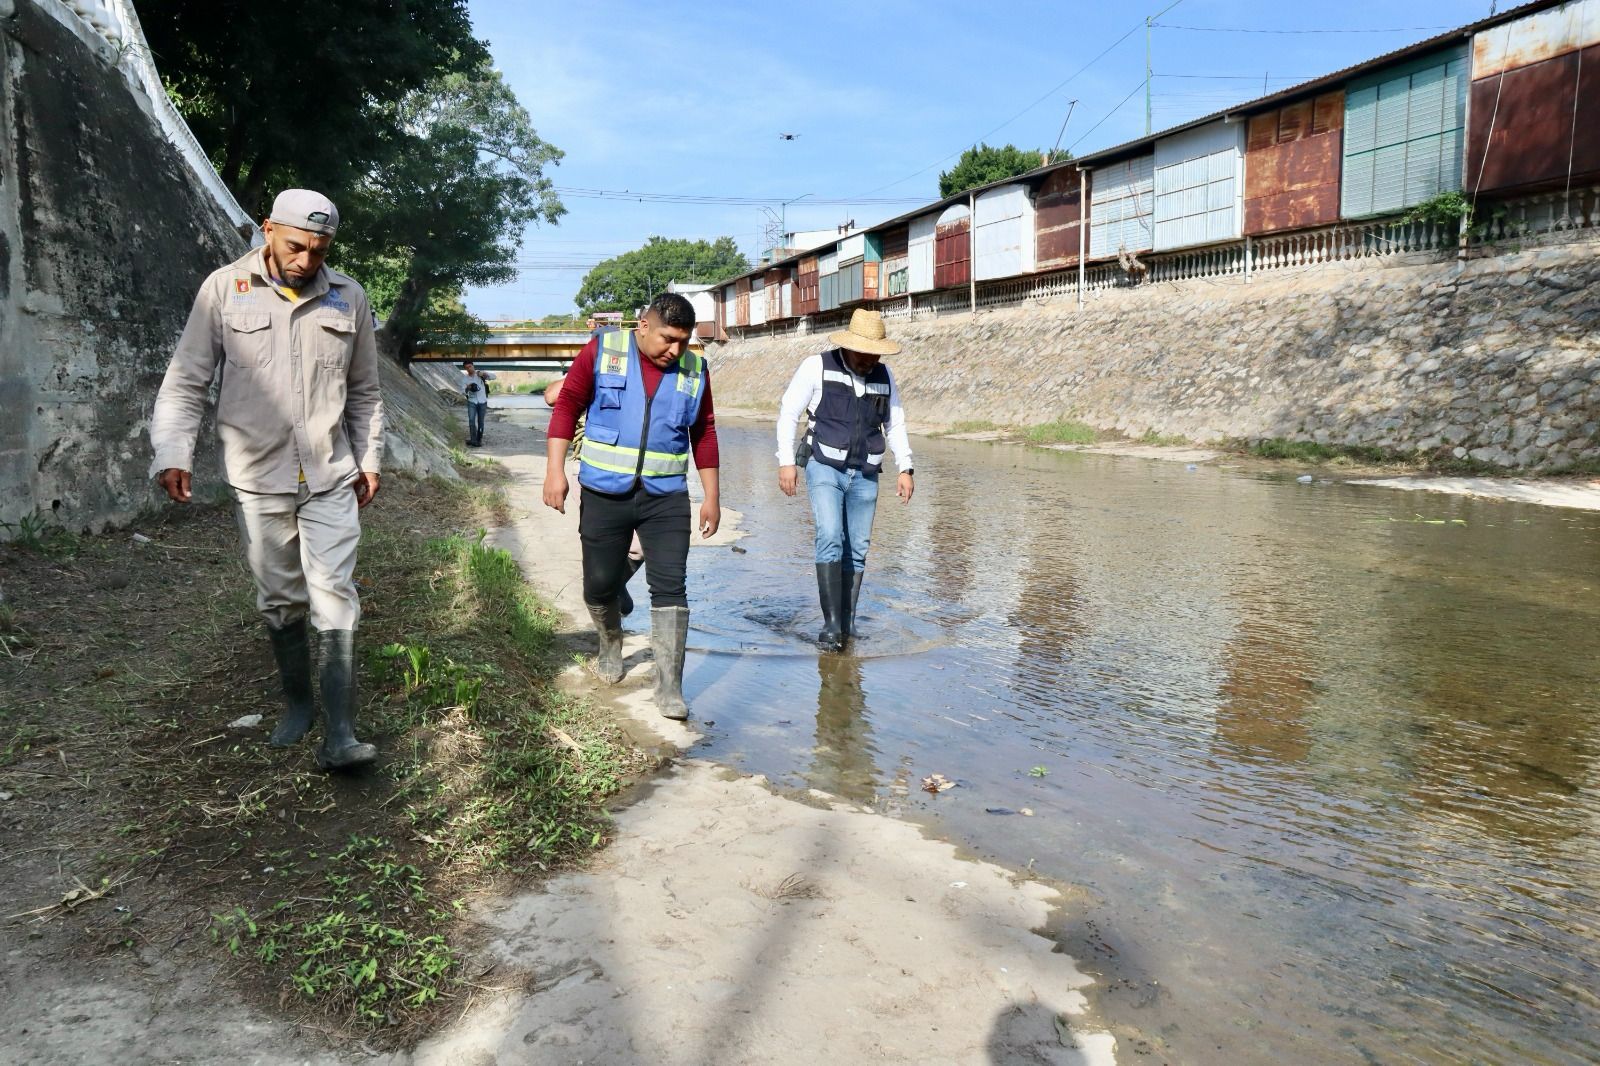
(648, 400)
(475, 387)
(852, 409)
(300, 420)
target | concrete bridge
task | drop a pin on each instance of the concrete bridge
(532, 348)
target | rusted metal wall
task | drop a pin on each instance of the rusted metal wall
(952, 253)
(1527, 124)
(774, 290)
(742, 315)
(869, 280)
(806, 295)
(1058, 211)
(1291, 165)
(1554, 31)
(895, 242)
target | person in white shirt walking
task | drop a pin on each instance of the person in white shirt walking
(475, 387)
(853, 415)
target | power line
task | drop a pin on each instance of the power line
(1247, 29)
(721, 201)
(1107, 115)
(1019, 114)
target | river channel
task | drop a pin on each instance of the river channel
(1315, 762)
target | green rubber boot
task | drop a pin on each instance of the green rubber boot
(292, 648)
(669, 635)
(608, 625)
(340, 749)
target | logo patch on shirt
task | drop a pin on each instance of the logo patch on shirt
(613, 363)
(335, 301)
(241, 286)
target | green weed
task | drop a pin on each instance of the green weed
(39, 532)
(1063, 432)
(974, 427)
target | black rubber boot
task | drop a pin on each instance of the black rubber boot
(608, 625)
(852, 597)
(292, 648)
(340, 749)
(625, 601)
(669, 636)
(830, 592)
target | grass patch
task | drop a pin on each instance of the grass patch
(973, 427)
(529, 388)
(40, 533)
(1163, 440)
(1309, 451)
(339, 897)
(1063, 432)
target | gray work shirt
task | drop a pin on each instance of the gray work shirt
(475, 387)
(299, 388)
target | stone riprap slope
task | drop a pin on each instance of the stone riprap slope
(1496, 358)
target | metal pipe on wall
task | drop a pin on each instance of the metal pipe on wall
(972, 252)
(1083, 223)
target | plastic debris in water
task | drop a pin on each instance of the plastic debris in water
(937, 783)
(1304, 479)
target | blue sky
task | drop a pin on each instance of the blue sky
(685, 98)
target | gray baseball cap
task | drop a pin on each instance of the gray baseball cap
(307, 210)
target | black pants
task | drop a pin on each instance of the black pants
(606, 525)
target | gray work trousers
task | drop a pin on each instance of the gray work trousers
(302, 551)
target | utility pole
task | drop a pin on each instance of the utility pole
(1148, 19)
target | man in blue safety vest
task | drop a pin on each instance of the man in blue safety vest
(853, 415)
(648, 399)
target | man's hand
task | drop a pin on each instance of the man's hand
(366, 486)
(904, 488)
(788, 478)
(555, 489)
(176, 484)
(710, 517)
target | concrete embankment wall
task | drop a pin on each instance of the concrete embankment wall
(105, 235)
(1497, 358)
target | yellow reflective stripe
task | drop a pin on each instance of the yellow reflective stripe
(589, 460)
(666, 469)
(614, 341)
(633, 453)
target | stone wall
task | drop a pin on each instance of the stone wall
(105, 235)
(1496, 358)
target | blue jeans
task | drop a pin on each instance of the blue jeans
(842, 505)
(475, 413)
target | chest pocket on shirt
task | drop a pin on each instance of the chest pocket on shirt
(608, 390)
(246, 339)
(334, 339)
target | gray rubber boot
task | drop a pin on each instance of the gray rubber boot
(830, 592)
(669, 635)
(608, 626)
(340, 749)
(852, 597)
(625, 601)
(292, 648)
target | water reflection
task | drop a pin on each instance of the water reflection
(842, 760)
(1326, 756)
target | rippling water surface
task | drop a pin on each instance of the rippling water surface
(1321, 758)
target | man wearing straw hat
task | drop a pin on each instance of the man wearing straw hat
(852, 409)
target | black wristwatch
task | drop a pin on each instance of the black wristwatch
(908, 471)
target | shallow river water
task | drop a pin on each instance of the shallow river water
(1319, 760)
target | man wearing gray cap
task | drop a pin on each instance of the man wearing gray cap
(300, 421)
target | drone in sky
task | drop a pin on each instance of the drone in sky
(787, 136)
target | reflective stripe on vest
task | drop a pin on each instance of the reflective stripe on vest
(846, 430)
(617, 449)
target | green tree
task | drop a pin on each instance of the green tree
(449, 208)
(298, 94)
(631, 280)
(983, 164)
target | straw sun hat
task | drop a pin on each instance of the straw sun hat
(866, 334)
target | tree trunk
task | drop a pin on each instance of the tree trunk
(406, 318)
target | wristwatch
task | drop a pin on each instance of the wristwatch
(908, 471)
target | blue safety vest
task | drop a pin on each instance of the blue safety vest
(630, 438)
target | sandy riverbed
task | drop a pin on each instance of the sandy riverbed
(729, 924)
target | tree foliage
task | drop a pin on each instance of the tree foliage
(983, 164)
(301, 95)
(631, 280)
(449, 208)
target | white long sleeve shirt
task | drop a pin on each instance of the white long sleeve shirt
(805, 392)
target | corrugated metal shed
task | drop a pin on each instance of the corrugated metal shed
(773, 287)
(1057, 212)
(1535, 101)
(952, 253)
(730, 306)
(807, 298)
(1199, 184)
(1404, 134)
(786, 306)
(919, 251)
(853, 247)
(758, 302)
(1291, 165)
(742, 317)
(1002, 235)
(1122, 207)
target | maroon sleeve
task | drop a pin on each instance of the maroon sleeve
(577, 393)
(703, 434)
